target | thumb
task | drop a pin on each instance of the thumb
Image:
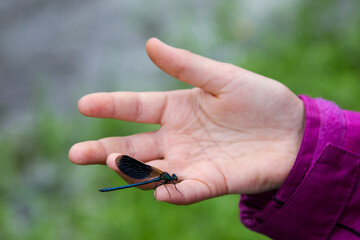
(198, 71)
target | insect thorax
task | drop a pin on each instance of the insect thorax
(166, 176)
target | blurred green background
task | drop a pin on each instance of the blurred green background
(52, 53)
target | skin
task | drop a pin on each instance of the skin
(234, 132)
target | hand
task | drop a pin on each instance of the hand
(235, 132)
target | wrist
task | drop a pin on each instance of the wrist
(293, 146)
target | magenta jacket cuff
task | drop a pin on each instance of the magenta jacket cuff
(320, 199)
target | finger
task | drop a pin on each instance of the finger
(186, 192)
(143, 146)
(198, 71)
(145, 107)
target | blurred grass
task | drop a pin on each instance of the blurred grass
(312, 48)
(47, 197)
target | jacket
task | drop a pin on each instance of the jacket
(320, 199)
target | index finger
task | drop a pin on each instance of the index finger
(144, 107)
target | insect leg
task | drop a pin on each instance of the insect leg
(164, 183)
(173, 182)
(156, 185)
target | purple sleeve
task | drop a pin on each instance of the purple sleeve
(320, 199)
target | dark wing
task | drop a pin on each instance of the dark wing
(134, 168)
(156, 172)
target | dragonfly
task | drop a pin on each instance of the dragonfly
(141, 171)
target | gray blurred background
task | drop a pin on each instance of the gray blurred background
(66, 48)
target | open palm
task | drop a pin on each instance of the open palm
(235, 132)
